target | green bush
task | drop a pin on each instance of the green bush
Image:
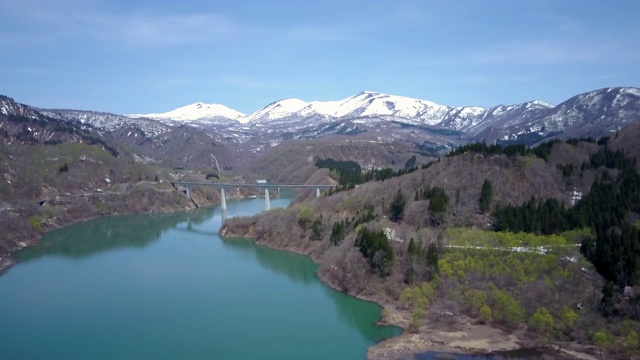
(36, 223)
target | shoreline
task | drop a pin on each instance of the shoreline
(462, 337)
(7, 261)
(404, 345)
(466, 339)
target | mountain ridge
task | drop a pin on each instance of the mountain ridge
(374, 106)
(385, 117)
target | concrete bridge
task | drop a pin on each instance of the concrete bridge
(267, 205)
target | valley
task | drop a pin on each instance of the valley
(419, 218)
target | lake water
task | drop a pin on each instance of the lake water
(165, 286)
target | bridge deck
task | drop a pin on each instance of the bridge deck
(256, 185)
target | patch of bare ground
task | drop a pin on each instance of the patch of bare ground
(465, 336)
(461, 337)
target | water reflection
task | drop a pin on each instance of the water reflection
(296, 267)
(357, 315)
(138, 231)
(186, 294)
(95, 236)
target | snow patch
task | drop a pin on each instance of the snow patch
(196, 111)
(391, 235)
(630, 91)
(575, 196)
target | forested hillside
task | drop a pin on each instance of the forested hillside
(542, 241)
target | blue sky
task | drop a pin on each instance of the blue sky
(152, 56)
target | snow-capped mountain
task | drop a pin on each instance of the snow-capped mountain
(9, 107)
(363, 104)
(370, 109)
(22, 124)
(199, 113)
(109, 122)
(376, 113)
(373, 108)
(593, 113)
(387, 117)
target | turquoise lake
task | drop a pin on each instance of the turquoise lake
(165, 286)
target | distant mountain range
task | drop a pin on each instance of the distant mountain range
(590, 114)
(379, 117)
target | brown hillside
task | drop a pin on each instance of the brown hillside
(629, 141)
(293, 161)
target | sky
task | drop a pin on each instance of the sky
(128, 56)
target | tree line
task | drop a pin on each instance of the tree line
(542, 151)
(350, 172)
(615, 250)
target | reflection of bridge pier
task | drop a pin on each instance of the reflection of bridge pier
(223, 199)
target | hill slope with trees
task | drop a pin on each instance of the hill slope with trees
(436, 245)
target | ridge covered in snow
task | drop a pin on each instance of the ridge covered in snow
(594, 113)
(371, 109)
(365, 105)
(196, 111)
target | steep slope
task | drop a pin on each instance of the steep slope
(590, 114)
(24, 125)
(294, 162)
(55, 171)
(627, 141)
(108, 121)
(595, 113)
(157, 142)
(436, 264)
(437, 128)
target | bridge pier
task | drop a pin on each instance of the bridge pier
(223, 200)
(267, 202)
(187, 185)
(224, 216)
